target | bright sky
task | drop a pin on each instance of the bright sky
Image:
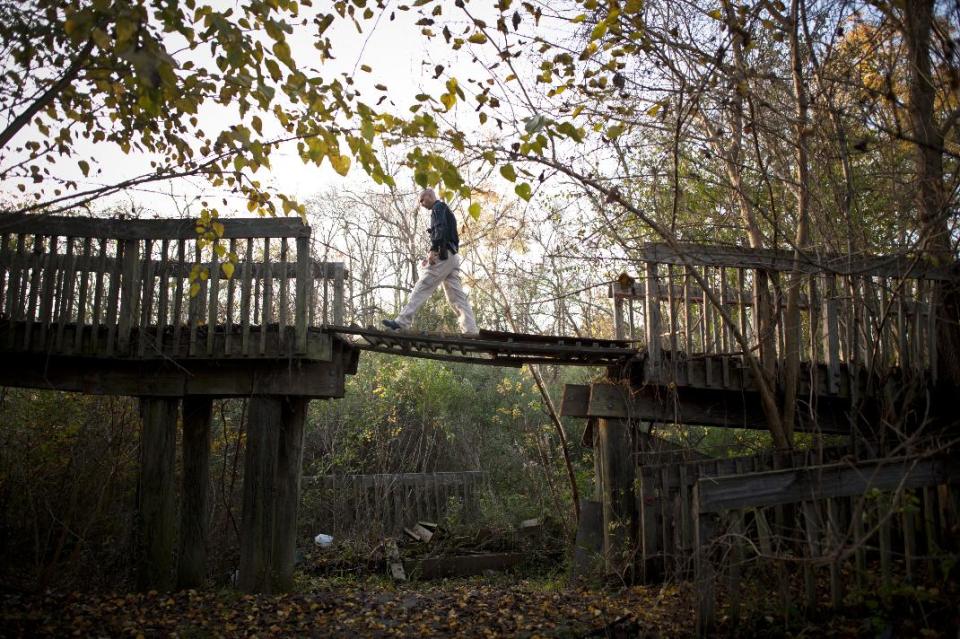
(394, 49)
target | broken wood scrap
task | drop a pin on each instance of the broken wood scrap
(393, 559)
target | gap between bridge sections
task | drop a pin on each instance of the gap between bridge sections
(492, 348)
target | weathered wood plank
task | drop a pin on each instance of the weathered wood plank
(149, 229)
(177, 318)
(82, 297)
(303, 287)
(575, 400)
(245, 303)
(213, 302)
(228, 341)
(47, 285)
(652, 313)
(163, 291)
(148, 268)
(837, 480)
(129, 293)
(266, 310)
(67, 293)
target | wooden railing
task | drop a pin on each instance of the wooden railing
(864, 311)
(123, 287)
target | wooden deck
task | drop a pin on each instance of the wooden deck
(92, 305)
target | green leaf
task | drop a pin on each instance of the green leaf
(534, 123)
(523, 190)
(474, 210)
(716, 14)
(228, 269)
(508, 172)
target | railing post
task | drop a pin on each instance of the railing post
(652, 319)
(303, 292)
(618, 328)
(339, 272)
(128, 293)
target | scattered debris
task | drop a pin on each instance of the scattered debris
(531, 525)
(393, 558)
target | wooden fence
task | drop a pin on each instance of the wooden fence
(109, 288)
(855, 311)
(665, 505)
(900, 513)
(385, 503)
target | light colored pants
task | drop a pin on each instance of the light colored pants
(446, 272)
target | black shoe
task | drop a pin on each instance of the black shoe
(391, 324)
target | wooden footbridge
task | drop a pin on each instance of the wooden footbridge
(175, 311)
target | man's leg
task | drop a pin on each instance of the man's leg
(457, 298)
(430, 279)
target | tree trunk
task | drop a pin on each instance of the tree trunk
(930, 197)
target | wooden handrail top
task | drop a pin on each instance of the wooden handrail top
(95, 264)
(690, 254)
(185, 229)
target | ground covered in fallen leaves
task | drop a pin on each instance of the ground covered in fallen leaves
(474, 607)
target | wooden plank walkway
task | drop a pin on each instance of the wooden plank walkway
(492, 348)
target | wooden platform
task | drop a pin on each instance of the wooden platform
(492, 348)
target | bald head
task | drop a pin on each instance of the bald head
(427, 198)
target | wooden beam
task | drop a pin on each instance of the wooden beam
(575, 399)
(757, 490)
(176, 378)
(195, 477)
(701, 407)
(157, 492)
(610, 401)
(49, 225)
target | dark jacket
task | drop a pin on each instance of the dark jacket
(444, 238)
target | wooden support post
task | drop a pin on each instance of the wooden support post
(271, 491)
(259, 484)
(157, 491)
(289, 458)
(705, 525)
(619, 505)
(191, 568)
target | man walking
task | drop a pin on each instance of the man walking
(442, 266)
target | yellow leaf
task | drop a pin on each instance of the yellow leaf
(218, 229)
(228, 269)
(194, 289)
(340, 163)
